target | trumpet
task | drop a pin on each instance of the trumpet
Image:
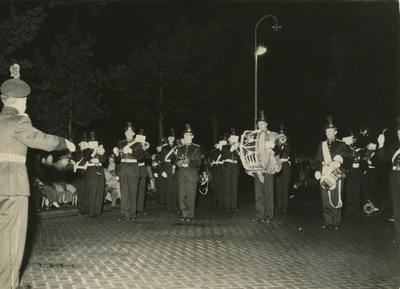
(282, 139)
(145, 146)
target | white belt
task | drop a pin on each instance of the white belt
(167, 161)
(230, 161)
(371, 167)
(140, 164)
(284, 160)
(128, 161)
(396, 168)
(12, 158)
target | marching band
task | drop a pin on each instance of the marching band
(345, 169)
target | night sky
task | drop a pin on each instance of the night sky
(328, 58)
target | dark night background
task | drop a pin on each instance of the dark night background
(338, 58)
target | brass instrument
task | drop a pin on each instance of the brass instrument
(281, 136)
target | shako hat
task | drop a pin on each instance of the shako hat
(330, 123)
(281, 130)
(171, 133)
(15, 87)
(261, 117)
(129, 127)
(187, 129)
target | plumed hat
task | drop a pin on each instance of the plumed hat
(281, 130)
(129, 127)
(330, 123)
(187, 129)
(261, 117)
(15, 87)
(171, 133)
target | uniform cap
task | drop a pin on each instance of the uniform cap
(171, 133)
(330, 123)
(129, 127)
(187, 129)
(15, 87)
(261, 117)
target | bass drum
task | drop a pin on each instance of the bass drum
(254, 154)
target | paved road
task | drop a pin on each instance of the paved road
(217, 250)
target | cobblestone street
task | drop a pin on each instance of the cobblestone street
(218, 250)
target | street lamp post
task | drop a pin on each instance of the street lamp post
(259, 50)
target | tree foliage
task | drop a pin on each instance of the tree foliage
(70, 87)
(157, 80)
(15, 31)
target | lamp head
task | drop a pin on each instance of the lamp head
(261, 50)
(276, 27)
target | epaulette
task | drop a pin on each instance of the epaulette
(340, 140)
(195, 144)
(122, 140)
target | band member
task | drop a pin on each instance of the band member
(393, 155)
(332, 153)
(161, 192)
(216, 173)
(95, 179)
(188, 160)
(264, 180)
(282, 178)
(80, 158)
(167, 160)
(143, 162)
(355, 173)
(370, 175)
(230, 158)
(17, 135)
(112, 184)
(129, 152)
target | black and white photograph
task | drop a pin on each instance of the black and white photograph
(199, 144)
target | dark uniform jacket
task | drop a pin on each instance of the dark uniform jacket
(193, 153)
(129, 169)
(216, 164)
(166, 162)
(17, 134)
(231, 160)
(337, 147)
(394, 179)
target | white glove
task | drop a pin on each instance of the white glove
(381, 140)
(155, 175)
(338, 158)
(269, 144)
(356, 165)
(334, 164)
(164, 174)
(95, 161)
(127, 150)
(317, 175)
(115, 151)
(70, 146)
